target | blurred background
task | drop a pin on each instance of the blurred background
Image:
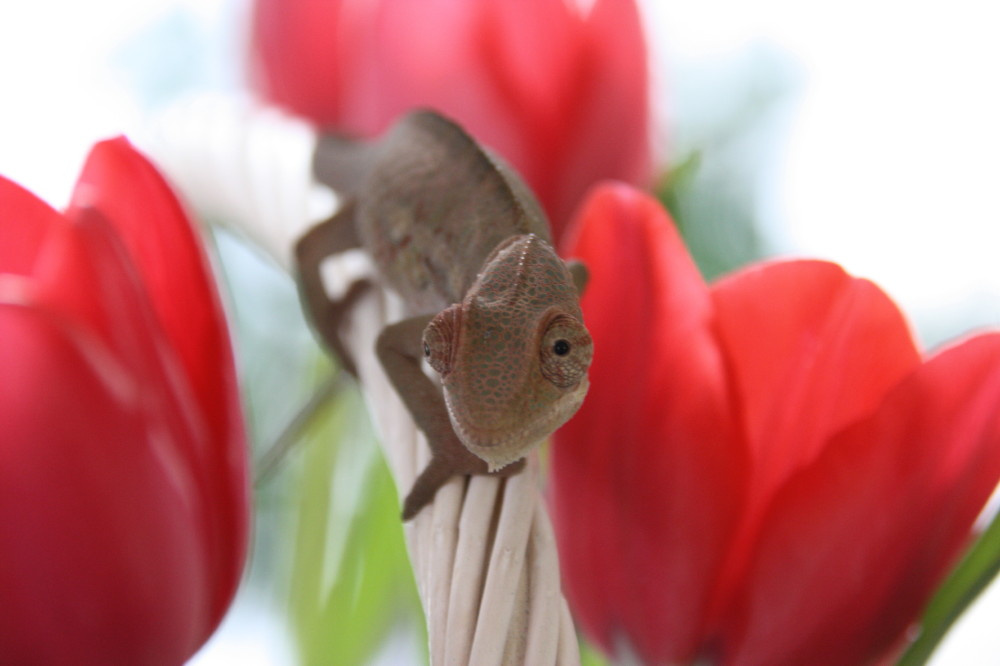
(861, 132)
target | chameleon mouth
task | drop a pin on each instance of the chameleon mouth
(500, 446)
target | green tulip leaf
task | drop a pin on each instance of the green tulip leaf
(974, 573)
(589, 656)
(352, 586)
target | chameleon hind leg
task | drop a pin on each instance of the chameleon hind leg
(328, 238)
(400, 350)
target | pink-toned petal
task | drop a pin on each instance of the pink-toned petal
(297, 60)
(100, 561)
(812, 350)
(532, 58)
(607, 117)
(648, 477)
(854, 544)
(82, 273)
(24, 222)
(427, 55)
(446, 56)
(88, 279)
(127, 190)
(560, 92)
(165, 249)
(531, 53)
(84, 276)
(580, 113)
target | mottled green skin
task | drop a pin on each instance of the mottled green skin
(454, 231)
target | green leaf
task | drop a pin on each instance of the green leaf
(713, 209)
(976, 570)
(590, 656)
(723, 142)
(351, 579)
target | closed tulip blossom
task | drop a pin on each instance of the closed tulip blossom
(123, 471)
(558, 89)
(767, 470)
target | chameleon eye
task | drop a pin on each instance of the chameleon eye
(439, 340)
(566, 351)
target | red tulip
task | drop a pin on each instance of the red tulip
(560, 92)
(765, 471)
(123, 472)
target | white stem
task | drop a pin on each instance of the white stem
(483, 552)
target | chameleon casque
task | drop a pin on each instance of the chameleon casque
(490, 306)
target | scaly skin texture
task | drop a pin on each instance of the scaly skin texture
(492, 308)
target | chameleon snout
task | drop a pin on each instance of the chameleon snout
(506, 433)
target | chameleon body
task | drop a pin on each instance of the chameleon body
(490, 306)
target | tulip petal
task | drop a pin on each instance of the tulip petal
(507, 38)
(647, 478)
(612, 94)
(100, 564)
(307, 56)
(83, 274)
(126, 190)
(510, 34)
(131, 194)
(855, 543)
(812, 349)
(24, 221)
(558, 90)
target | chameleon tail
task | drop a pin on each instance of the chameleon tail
(342, 163)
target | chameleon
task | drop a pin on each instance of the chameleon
(490, 306)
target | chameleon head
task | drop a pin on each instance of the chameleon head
(513, 356)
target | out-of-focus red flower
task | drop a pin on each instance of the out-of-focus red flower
(123, 471)
(765, 471)
(561, 92)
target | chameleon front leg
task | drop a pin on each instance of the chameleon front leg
(327, 238)
(400, 349)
